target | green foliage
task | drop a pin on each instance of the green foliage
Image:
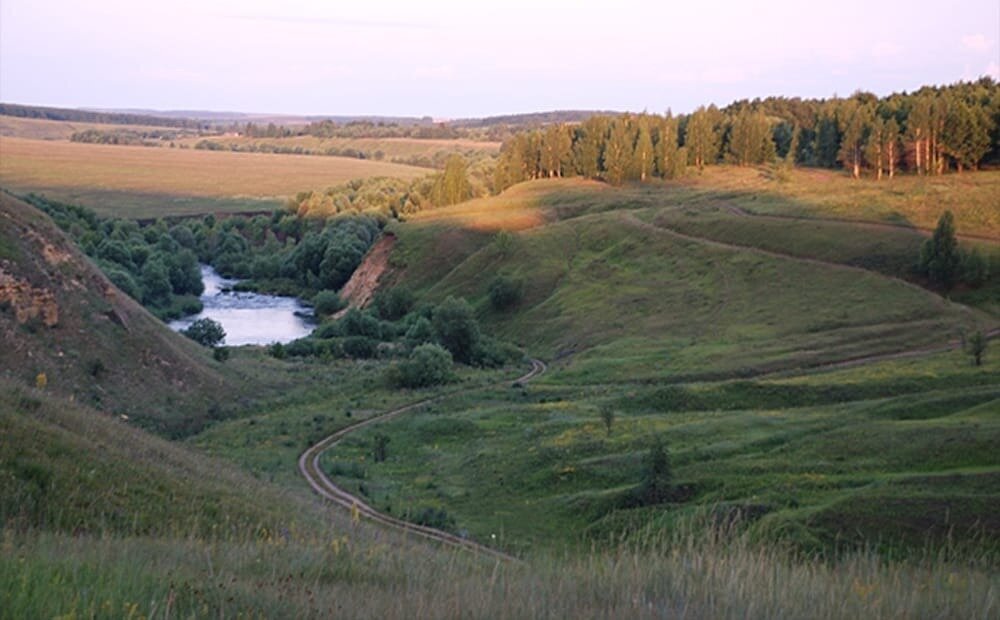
(380, 447)
(452, 186)
(327, 302)
(976, 346)
(427, 365)
(394, 303)
(607, 414)
(456, 328)
(506, 292)
(206, 332)
(220, 354)
(940, 259)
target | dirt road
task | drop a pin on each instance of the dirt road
(309, 466)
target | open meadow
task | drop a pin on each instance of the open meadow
(143, 182)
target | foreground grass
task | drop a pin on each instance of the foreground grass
(164, 181)
(44, 575)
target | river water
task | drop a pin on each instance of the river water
(248, 318)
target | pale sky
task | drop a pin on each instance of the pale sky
(479, 58)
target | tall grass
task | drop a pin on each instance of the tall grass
(720, 575)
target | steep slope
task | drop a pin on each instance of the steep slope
(61, 318)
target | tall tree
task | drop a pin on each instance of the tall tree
(618, 152)
(588, 146)
(669, 162)
(701, 138)
(854, 119)
(940, 259)
(556, 150)
(452, 186)
(750, 138)
(643, 157)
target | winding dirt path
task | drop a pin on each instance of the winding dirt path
(309, 466)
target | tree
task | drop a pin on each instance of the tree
(669, 160)
(701, 137)
(977, 347)
(327, 302)
(428, 364)
(643, 159)
(380, 447)
(456, 328)
(940, 259)
(750, 138)
(618, 152)
(452, 186)
(557, 149)
(505, 292)
(854, 119)
(607, 418)
(206, 332)
(657, 481)
(588, 146)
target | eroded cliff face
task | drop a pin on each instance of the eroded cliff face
(27, 302)
(61, 317)
(361, 288)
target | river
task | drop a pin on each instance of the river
(248, 318)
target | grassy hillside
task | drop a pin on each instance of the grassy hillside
(714, 344)
(59, 316)
(796, 377)
(142, 182)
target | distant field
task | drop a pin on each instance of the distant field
(390, 148)
(41, 129)
(150, 182)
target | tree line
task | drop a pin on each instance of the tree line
(931, 131)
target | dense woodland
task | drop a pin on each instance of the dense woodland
(931, 131)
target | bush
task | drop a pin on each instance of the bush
(327, 302)
(206, 332)
(505, 292)
(394, 303)
(277, 351)
(220, 354)
(428, 364)
(456, 328)
(360, 347)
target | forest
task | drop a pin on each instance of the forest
(930, 131)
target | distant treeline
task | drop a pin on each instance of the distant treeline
(153, 137)
(392, 197)
(436, 160)
(87, 116)
(931, 131)
(354, 129)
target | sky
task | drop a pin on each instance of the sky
(480, 57)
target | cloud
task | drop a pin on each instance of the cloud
(976, 43)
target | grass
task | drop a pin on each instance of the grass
(718, 577)
(142, 182)
(802, 488)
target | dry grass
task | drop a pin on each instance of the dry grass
(69, 170)
(906, 200)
